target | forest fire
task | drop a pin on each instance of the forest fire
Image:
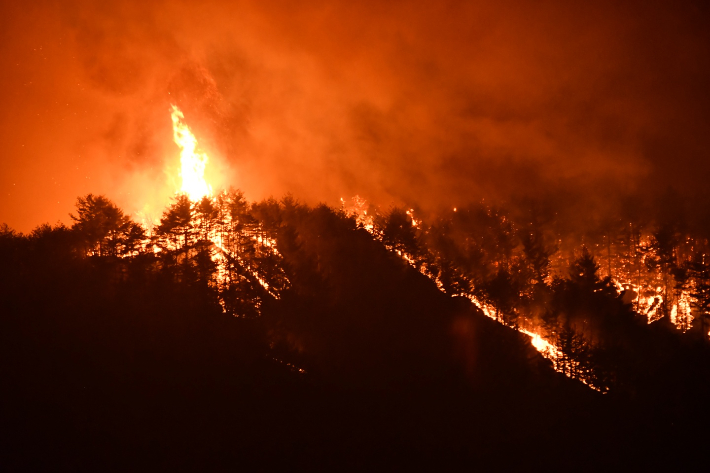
(526, 267)
(244, 256)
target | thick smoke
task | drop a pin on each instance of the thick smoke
(433, 104)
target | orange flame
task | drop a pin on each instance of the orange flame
(192, 162)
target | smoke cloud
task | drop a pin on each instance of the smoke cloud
(429, 103)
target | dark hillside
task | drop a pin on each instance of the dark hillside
(129, 364)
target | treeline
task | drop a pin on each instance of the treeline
(217, 245)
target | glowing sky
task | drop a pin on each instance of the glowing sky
(425, 102)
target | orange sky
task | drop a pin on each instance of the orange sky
(433, 103)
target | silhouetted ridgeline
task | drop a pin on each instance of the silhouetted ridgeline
(242, 335)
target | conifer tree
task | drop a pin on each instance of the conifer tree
(101, 226)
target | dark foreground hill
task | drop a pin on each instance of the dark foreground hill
(119, 364)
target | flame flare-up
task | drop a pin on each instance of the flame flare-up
(192, 162)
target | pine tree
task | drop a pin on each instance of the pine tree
(101, 226)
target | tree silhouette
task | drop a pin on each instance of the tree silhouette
(176, 227)
(102, 227)
(503, 292)
(537, 256)
(398, 231)
(662, 257)
(583, 271)
(207, 215)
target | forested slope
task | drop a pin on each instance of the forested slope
(118, 356)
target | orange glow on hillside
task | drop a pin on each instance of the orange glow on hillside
(192, 162)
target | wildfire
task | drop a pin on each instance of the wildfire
(195, 186)
(358, 210)
(192, 162)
